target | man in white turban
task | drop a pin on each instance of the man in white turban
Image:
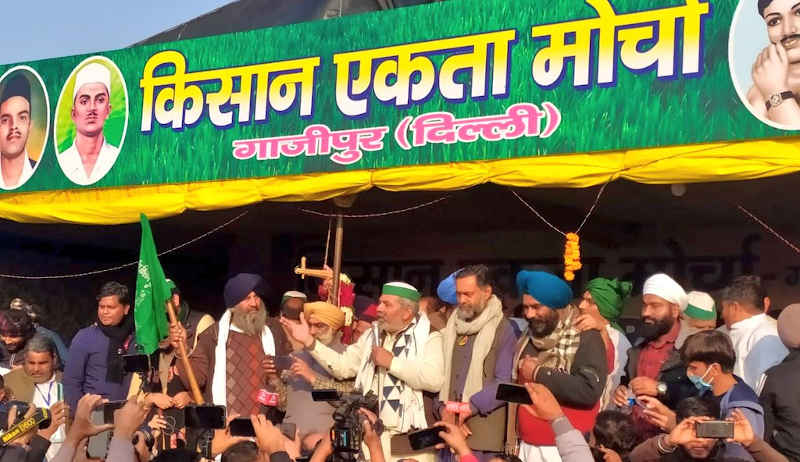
(655, 369)
(91, 156)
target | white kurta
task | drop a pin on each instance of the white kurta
(27, 172)
(421, 373)
(44, 396)
(757, 347)
(71, 164)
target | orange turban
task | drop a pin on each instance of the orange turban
(325, 312)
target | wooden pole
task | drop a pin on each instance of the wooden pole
(195, 389)
(337, 257)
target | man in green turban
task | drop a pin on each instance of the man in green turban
(601, 306)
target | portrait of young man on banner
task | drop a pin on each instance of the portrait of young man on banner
(24, 123)
(771, 74)
(90, 99)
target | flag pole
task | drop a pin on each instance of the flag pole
(173, 319)
(337, 259)
(341, 202)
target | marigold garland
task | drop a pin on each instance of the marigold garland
(572, 256)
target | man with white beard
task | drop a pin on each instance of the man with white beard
(230, 360)
(397, 359)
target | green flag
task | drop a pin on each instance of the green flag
(152, 292)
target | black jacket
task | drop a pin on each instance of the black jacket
(583, 385)
(673, 373)
(781, 403)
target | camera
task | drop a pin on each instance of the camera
(347, 431)
(132, 364)
(22, 409)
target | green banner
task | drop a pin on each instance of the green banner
(446, 82)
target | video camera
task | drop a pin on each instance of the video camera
(347, 431)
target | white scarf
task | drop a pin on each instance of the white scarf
(413, 415)
(486, 326)
(219, 389)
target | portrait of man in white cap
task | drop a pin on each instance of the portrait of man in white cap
(91, 156)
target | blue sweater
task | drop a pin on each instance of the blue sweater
(743, 398)
(85, 371)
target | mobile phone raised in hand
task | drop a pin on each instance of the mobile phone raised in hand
(425, 438)
(716, 429)
(205, 416)
(135, 363)
(513, 393)
(109, 408)
(243, 426)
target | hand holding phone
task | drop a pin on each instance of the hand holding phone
(513, 393)
(454, 437)
(205, 417)
(243, 426)
(716, 429)
(426, 438)
(109, 408)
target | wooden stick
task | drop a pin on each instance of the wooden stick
(304, 271)
(337, 259)
(173, 319)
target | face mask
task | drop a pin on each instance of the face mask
(699, 382)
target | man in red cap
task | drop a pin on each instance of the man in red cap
(366, 312)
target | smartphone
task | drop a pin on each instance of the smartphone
(243, 426)
(97, 445)
(206, 417)
(283, 363)
(325, 395)
(135, 363)
(513, 393)
(425, 438)
(108, 410)
(717, 429)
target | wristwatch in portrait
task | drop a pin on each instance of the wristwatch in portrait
(778, 98)
(661, 388)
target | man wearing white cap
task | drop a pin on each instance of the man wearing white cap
(91, 156)
(698, 316)
(654, 364)
(397, 359)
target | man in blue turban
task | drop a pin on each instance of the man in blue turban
(555, 353)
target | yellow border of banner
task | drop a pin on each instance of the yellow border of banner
(678, 164)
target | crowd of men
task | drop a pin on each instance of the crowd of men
(433, 361)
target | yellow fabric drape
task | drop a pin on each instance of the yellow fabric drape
(664, 165)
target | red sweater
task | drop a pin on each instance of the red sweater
(538, 432)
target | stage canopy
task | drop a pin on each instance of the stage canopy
(441, 96)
